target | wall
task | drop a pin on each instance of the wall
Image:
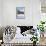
(32, 12)
(36, 7)
(1, 17)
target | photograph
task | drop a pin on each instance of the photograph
(20, 12)
(22, 22)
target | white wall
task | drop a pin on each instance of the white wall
(36, 12)
(32, 12)
(1, 18)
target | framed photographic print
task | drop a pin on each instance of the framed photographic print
(20, 13)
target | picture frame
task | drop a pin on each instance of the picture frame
(20, 13)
